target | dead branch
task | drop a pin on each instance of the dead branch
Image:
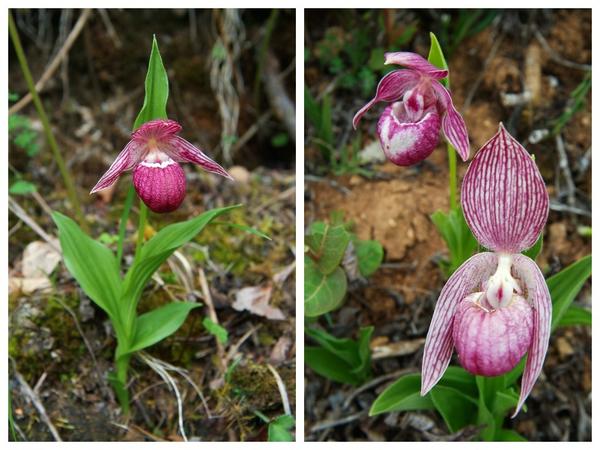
(281, 104)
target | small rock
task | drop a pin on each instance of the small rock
(239, 174)
(564, 347)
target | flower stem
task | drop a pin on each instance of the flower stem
(141, 229)
(452, 176)
(123, 222)
(66, 176)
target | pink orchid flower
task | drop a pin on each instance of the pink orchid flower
(154, 153)
(409, 128)
(496, 306)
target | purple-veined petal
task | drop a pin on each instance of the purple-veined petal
(453, 124)
(503, 196)
(539, 297)
(182, 151)
(161, 185)
(126, 160)
(439, 343)
(390, 88)
(416, 62)
(159, 129)
(406, 143)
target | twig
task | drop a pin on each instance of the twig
(554, 56)
(234, 348)
(557, 206)
(282, 391)
(250, 132)
(563, 163)
(213, 316)
(282, 196)
(374, 382)
(35, 399)
(112, 33)
(56, 62)
(281, 104)
(320, 426)
(22, 214)
(334, 184)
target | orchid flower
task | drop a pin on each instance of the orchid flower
(496, 306)
(409, 128)
(154, 153)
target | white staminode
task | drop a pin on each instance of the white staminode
(502, 285)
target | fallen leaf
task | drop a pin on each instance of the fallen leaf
(40, 259)
(256, 300)
(280, 277)
(280, 350)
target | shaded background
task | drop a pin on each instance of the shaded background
(495, 57)
(231, 79)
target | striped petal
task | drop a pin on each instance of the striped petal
(439, 343)
(390, 88)
(503, 196)
(182, 151)
(539, 297)
(416, 62)
(126, 160)
(453, 124)
(158, 129)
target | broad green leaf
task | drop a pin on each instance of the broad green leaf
(458, 378)
(369, 255)
(436, 57)
(216, 330)
(328, 244)
(156, 251)
(157, 89)
(457, 409)
(355, 354)
(22, 187)
(92, 264)
(576, 315)
(534, 251)
(328, 365)
(280, 429)
(504, 401)
(322, 293)
(566, 284)
(506, 435)
(487, 393)
(157, 324)
(457, 235)
(402, 395)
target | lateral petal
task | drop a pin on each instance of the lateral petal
(503, 196)
(390, 88)
(182, 151)
(453, 123)
(439, 343)
(416, 62)
(539, 297)
(129, 157)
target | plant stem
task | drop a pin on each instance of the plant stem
(122, 365)
(123, 222)
(66, 176)
(141, 229)
(452, 176)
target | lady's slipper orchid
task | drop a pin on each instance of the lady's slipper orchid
(496, 306)
(154, 153)
(409, 128)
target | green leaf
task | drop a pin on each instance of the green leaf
(436, 57)
(157, 89)
(457, 409)
(157, 250)
(216, 330)
(534, 251)
(311, 107)
(506, 435)
(22, 187)
(92, 264)
(402, 395)
(458, 378)
(504, 400)
(457, 235)
(328, 365)
(566, 284)
(280, 429)
(158, 324)
(328, 244)
(245, 228)
(369, 255)
(576, 315)
(322, 293)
